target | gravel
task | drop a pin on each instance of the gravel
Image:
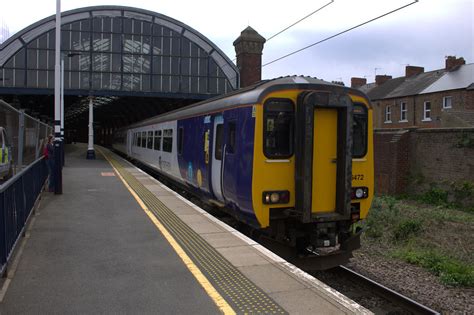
(413, 282)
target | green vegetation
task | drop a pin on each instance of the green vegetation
(434, 235)
(457, 195)
(450, 270)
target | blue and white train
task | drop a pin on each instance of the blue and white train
(291, 158)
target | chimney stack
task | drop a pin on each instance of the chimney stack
(381, 79)
(452, 62)
(412, 70)
(248, 48)
(358, 82)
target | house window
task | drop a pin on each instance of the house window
(403, 112)
(388, 114)
(447, 102)
(427, 111)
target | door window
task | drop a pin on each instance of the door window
(278, 128)
(219, 138)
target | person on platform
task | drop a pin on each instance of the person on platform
(49, 157)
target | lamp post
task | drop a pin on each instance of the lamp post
(90, 146)
(58, 178)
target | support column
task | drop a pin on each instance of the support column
(90, 146)
(62, 112)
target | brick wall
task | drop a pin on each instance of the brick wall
(408, 161)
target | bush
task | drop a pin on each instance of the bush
(406, 229)
(435, 196)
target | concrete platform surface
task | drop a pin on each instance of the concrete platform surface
(93, 250)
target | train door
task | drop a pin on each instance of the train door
(128, 142)
(217, 154)
(323, 155)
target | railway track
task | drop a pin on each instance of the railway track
(369, 293)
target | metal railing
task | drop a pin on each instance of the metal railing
(18, 197)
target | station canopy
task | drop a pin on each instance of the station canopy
(136, 63)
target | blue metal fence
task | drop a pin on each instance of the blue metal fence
(17, 198)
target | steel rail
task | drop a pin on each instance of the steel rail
(387, 293)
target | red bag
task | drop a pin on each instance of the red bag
(45, 152)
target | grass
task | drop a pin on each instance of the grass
(449, 270)
(436, 237)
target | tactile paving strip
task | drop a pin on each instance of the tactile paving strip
(240, 292)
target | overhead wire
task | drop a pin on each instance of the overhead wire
(340, 33)
(300, 20)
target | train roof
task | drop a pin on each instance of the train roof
(253, 94)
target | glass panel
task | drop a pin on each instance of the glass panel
(101, 62)
(127, 25)
(157, 45)
(168, 140)
(43, 59)
(180, 140)
(202, 81)
(359, 131)
(19, 78)
(175, 84)
(278, 128)
(150, 140)
(32, 79)
(116, 43)
(146, 28)
(145, 84)
(65, 40)
(102, 42)
(117, 25)
(84, 80)
(185, 66)
(97, 24)
(32, 59)
(157, 144)
(219, 139)
(86, 25)
(157, 81)
(116, 63)
(115, 83)
(143, 144)
(157, 64)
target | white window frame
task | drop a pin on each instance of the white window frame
(426, 112)
(403, 112)
(450, 98)
(388, 114)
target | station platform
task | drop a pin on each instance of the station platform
(118, 241)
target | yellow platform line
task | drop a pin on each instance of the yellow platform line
(208, 287)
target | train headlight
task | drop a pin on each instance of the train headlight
(276, 197)
(360, 192)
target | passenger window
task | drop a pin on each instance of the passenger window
(149, 143)
(157, 144)
(278, 128)
(219, 138)
(180, 140)
(143, 144)
(359, 131)
(139, 139)
(168, 140)
(231, 138)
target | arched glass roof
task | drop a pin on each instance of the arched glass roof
(114, 50)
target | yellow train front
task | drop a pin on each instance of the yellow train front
(313, 176)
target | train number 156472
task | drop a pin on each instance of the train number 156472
(358, 177)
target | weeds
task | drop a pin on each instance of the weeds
(406, 229)
(450, 271)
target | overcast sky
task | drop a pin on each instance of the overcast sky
(419, 35)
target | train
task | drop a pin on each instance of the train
(290, 158)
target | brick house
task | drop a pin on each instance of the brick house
(436, 99)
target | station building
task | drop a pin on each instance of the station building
(135, 63)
